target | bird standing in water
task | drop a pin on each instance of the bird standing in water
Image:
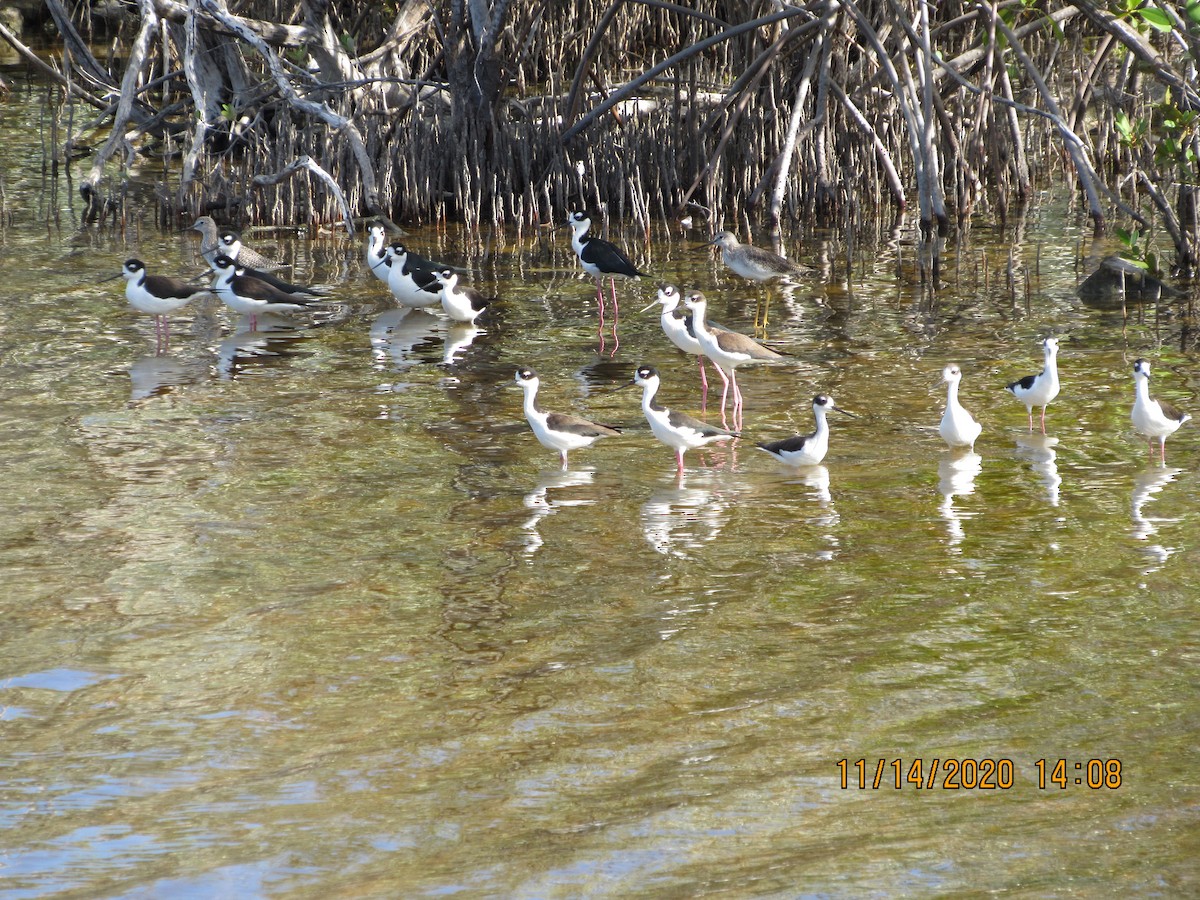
(676, 430)
(1153, 418)
(958, 427)
(1039, 389)
(157, 295)
(601, 259)
(728, 349)
(755, 263)
(807, 449)
(557, 431)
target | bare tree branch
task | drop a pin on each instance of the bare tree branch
(340, 124)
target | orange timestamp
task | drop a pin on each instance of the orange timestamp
(966, 774)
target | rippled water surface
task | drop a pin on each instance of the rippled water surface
(308, 611)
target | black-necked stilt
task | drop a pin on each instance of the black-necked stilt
(807, 449)
(558, 431)
(1153, 418)
(156, 295)
(411, 283)
(728, 349)
(679, 329)
(958, 427)
(600, 259)
(674, 429)
(376, 255)
(753, 262)
(251, 296)
(231, 242)
(463, 304)
(211, 247)
(1039, 389)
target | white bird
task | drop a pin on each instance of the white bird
(807, 449)
(252, 296)
(557, 431)
(600, 258)
(156, 295)
(958, 427)
(1039, 389)
(728, 349)
(676, 430)
(376, 256)
(680, 330)
(1153, 418)
(462, 304)
(411, 283)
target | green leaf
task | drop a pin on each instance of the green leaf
(1155, 18)
(1193, 11)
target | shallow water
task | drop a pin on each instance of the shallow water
(309, 611)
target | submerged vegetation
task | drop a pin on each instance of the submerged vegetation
(832, 111)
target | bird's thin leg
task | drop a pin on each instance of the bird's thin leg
(1031, 420)
(763, 306)
(679, 460)
(1162, 446)
(1043, 420)
(616, 317)
(563, 454)
(600, 305)
(703, 377)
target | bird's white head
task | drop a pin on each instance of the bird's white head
(646, 377)
(446, 278)
(579, 223)
(1050, 345)
(952, 374)
(668, 295)
(825, 403)
(132, 270)
(527, 378)
(224, 265)
(726, 240)
(696, 303)
(1141, 369)
(230, 243)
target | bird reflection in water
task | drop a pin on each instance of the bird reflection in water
(678, 519)
(956, 478)
(541, 501)
(152, 376)
(270, 341)
(459, 337)
(396, 333)
(1039, 450)
(1145, 485)
(816, 479)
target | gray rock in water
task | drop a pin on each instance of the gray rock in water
(1118, 281)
